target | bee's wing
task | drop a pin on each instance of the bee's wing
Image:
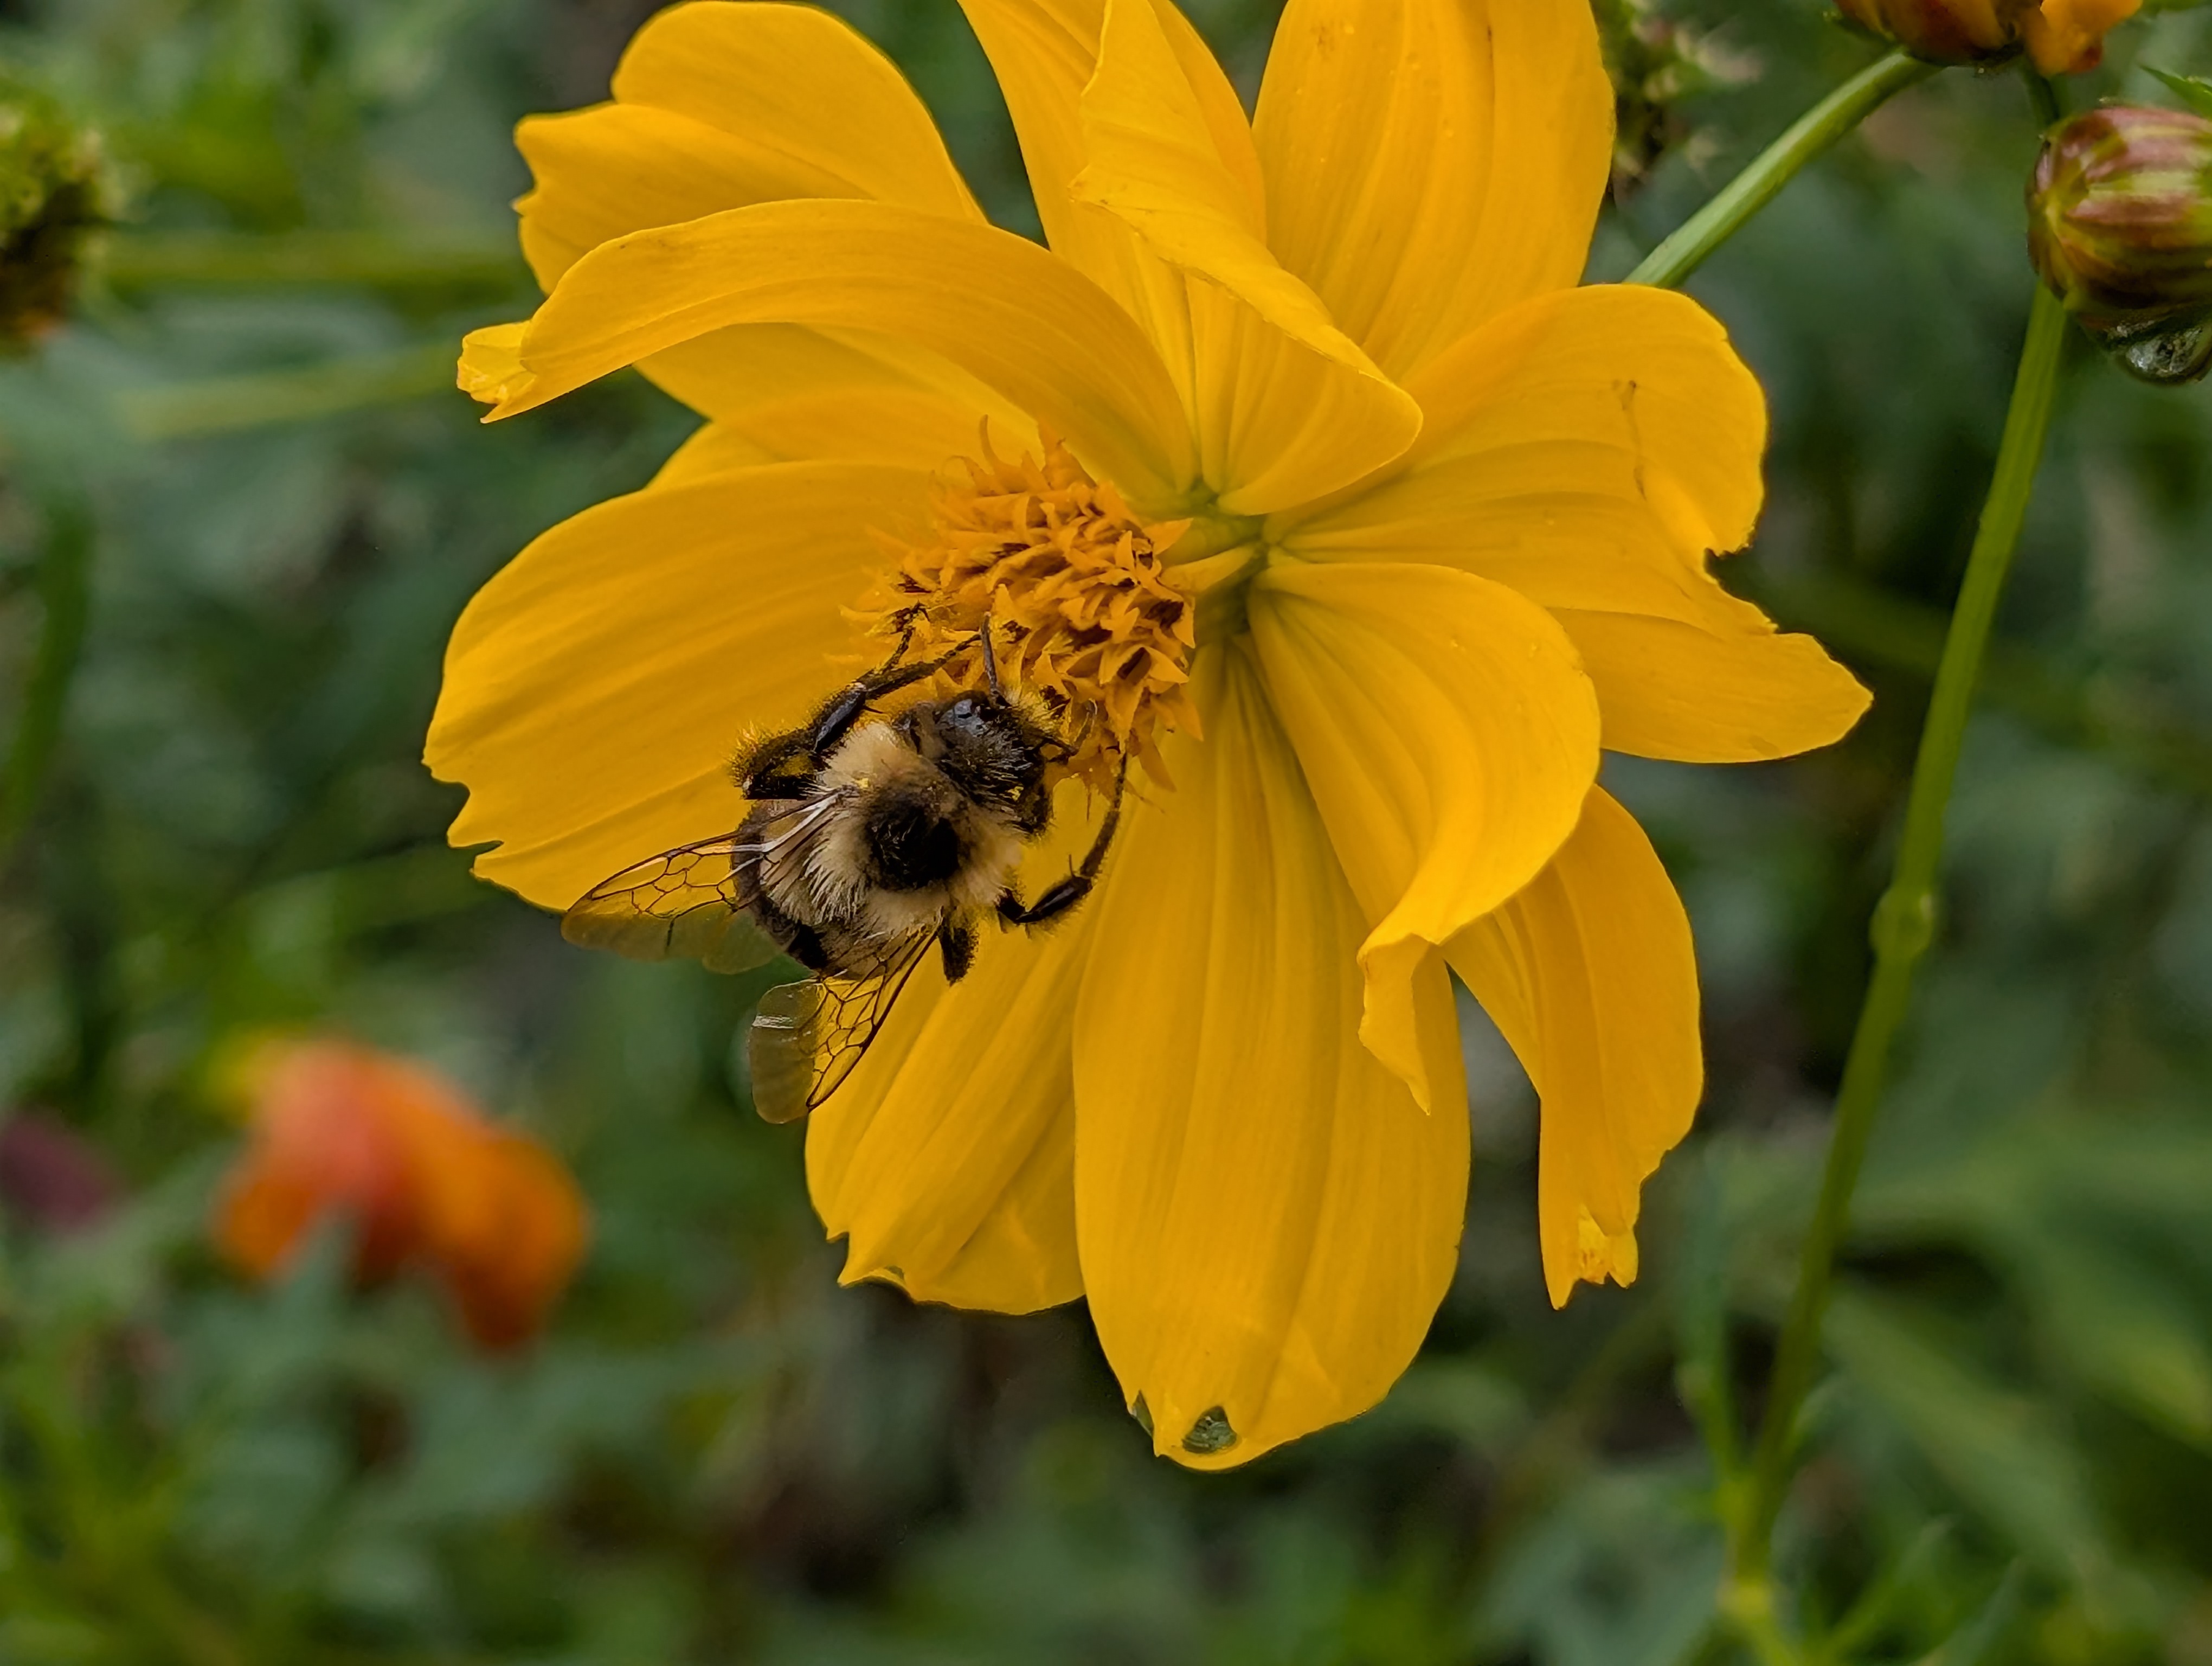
(807, 1037)
(680, 905)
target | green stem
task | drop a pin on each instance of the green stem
(270, 398)
(1674, 260)
(65, 597)
(378, 260)
(2043, 94)
(1749, 1606)
(1905, 921)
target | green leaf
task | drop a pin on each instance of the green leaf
(1619, 1571)
(2000, 1451)
(2126, 1328)
(1700, 1294)
(1471, 1401)
(1913, 1565)
(266, 399)
(1970, 1645)
(2194, 91)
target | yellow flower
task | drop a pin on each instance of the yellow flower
(1443, 518)
(2066, 37)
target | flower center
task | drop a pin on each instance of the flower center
(1081, 604)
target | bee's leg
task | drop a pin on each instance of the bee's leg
(1062, 895)
(909, 621)
(784, 766)
(777, 767)
(956, 944)
(836, 720)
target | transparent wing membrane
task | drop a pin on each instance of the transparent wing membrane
(807, 1037)
(680, 905)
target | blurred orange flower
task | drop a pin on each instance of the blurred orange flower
(427, 1180)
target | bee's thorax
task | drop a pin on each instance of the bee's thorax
(894, 847)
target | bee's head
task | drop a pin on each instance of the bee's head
(991, 748)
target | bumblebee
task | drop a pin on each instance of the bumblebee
(870, 840)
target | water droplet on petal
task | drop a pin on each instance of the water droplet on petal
(2179, 354)
(1211, 1434)
(2168, 352)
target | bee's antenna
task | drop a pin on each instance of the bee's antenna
(990, 659)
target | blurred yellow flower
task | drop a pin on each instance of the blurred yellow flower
(340, 1129)
(1442, 521)
(2066, 37)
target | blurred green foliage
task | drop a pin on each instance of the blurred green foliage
(238, 510)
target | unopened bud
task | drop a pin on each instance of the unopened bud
(1946, 31)
(56, 192)
(2062, 35)
(2120, 226)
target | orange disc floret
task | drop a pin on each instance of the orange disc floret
(426, 1179)
(1075, 589)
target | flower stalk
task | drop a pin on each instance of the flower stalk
(318, 259)
(1682, 252)
(1904, 925)
(65, 590)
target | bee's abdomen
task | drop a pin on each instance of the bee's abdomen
(797, 937)
(908, 840)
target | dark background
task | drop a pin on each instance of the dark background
(717, 1455)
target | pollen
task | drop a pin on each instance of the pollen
(1079, 602)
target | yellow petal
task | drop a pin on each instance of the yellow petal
(617, 168)
(1590, 975)
(491, 361)
(720, 105)
(948, 1159)
(798, 395)
(1289, 407)
(1589, 449)
(1267, 1220)
(781, 394)
(596, 688)
(1431, 162)
(998, 305)
(1044, 54)
(1449, 737)
(2066, 37)
(1147, 135)
(797, 80)
(1736, 693)
(1619, 401)
(712, 449)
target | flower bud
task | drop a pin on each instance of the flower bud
(2120, 226)
(56, 192)
(2062, 35)
(1945, 31)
